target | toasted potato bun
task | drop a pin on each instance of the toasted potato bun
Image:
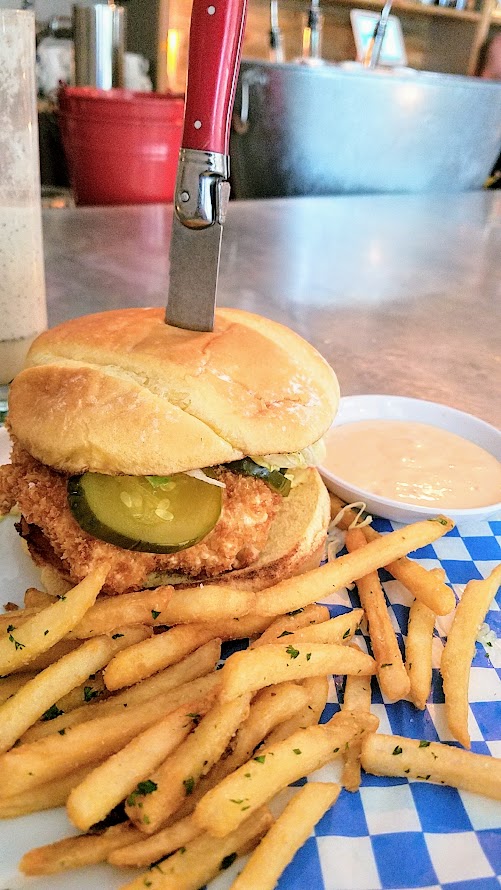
(121, 392)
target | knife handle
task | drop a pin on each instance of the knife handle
(215, 48)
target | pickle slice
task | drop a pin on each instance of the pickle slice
(151, 514)
(275, 479)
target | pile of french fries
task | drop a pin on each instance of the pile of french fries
(118, 708)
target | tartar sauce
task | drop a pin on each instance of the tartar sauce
(414, 463)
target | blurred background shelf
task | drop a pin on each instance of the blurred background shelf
(438, 38)
(407, 7)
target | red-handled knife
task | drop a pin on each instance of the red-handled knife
(202, 187)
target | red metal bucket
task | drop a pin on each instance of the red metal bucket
(121, 147)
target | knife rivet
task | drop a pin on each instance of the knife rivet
(197, 125)
(211, 10)
(185, 196)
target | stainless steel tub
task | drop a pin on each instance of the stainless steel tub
(338, 130)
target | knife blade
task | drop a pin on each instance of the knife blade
(202, 184)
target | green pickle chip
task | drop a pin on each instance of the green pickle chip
(155, 514)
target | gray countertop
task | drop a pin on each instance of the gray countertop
(401, 294)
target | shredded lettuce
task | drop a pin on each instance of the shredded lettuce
(311, 456)
(199, 474)
(165, 482)
(334, 543)
(361, 519)
(158, 481)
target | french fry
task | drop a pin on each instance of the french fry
(195, 665)
(287, 624)
(88, 691)
(150, 849)
(203, 858)
(21, 645)
(17, 617)
(179, 774)
(75, 852)
(391, 673)
(317, 689)
(418, 652)
(253, 669)
(153, 655)
(214, 602)
(336, 630)
(39, 694)
(109, 612)
(112, 781)
(238, 628)
(269, 707)
(35, 763)
(116, 704)
(257, 781)
(460, 649)
(427, 585)
(162, 606)
(11, 607)
(394, 755)
(72, 641)
(53, 582)
(286, 836)
(357, 697)
(44, 659)
(295, 593)
(43, 797)
(37, 599)
(11, 684)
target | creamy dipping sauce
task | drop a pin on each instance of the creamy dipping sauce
(414, 463)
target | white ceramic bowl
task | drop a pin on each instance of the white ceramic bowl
(353, 408)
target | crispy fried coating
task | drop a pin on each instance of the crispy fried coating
(249, 507)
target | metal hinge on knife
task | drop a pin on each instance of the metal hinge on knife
(202, 188)
(201, 199)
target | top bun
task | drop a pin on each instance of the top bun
(123, 392)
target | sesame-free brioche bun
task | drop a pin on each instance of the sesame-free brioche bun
(122, 392)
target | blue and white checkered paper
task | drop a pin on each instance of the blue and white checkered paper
(401, 834)
(392, 833)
